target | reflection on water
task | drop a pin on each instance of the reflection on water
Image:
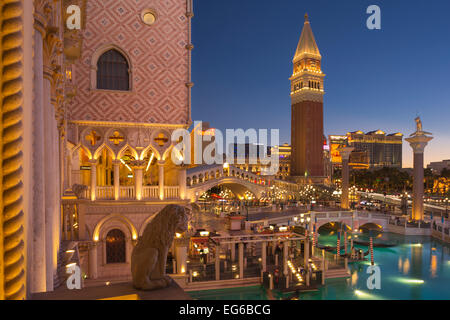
(416, 268)
(433, 265)
(406, 266)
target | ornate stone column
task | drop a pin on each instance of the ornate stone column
(418, 142)
(161, 164)
(93, 179)
(116, 165)
(138, 167)
(345, 154)
(12, 217)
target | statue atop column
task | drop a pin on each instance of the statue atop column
(419, 131)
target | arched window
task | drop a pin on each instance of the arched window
(113, 71)
(115, 246)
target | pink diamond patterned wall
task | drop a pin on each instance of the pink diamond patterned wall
(159, 62)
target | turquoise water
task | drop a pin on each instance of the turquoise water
(418, 268)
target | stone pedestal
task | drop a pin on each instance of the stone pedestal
(418, 142)
(345, 154)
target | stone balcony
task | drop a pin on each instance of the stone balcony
(148, 193)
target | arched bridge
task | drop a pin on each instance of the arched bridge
(203, 178)
(354, 219)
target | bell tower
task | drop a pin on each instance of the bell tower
(307, 90)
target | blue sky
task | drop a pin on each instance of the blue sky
(375, 79)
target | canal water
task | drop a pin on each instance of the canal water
(417, 268)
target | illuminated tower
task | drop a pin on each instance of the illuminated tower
(307, 107)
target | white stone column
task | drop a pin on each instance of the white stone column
(93, 179)
(264, 256)
(182, 182)
(52, 210)
(93, 267)
(38, 279)
(116, 165)
(161, 179)
(138, 182)
(181, 258)
(418, 142)
(345, 154)
(241, 260)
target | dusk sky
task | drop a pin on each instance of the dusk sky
(375, 79)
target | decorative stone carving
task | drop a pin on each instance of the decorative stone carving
(92, 138)
(148, 259)
(79, 190)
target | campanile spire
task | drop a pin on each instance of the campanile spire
(307, 83)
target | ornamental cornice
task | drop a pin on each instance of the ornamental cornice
(309, 95)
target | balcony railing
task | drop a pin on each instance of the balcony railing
(105, 193)
(151, 192)
(171, 192)
(127, 193)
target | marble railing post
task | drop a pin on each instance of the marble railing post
(93, 178)
(161, 179)
(116, 165)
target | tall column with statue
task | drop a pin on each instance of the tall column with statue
(418, 141)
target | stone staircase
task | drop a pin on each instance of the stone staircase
(68, 253)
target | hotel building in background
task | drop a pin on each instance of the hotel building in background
(374, 149)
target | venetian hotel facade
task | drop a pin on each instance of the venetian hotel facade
(86, 134)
